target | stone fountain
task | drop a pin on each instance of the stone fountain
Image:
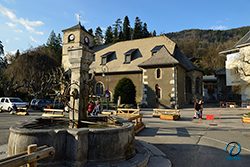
(76, 146)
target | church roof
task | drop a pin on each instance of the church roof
(160, 58)
(245, 40)
(165, 53)
(78, 26)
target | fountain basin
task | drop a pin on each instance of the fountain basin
(75, 147)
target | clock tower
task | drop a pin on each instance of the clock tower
(74, 37)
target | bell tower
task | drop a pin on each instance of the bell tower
(74, 37)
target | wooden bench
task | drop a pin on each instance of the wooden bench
(20, 111)
(139, 125)
(123, 112)
(45, 114)
(157, 112)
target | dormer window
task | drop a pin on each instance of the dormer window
(106, 57)
(129, 55)
(156, 49)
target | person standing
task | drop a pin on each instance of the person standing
(201, 108)
(197, 108)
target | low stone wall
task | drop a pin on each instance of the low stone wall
(76, 147)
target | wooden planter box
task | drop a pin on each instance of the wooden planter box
(245, 119)
(169, 117)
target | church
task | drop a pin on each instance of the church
(156, 66)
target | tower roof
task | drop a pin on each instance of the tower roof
(78, 26)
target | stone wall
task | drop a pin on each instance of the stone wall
(114, 78)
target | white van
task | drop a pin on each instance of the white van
(8, 102)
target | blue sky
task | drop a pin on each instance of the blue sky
(26, 23)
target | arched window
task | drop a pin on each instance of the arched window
(99, 89)
(188, 85)
(159, 93)
(158, 73)
(198, 85)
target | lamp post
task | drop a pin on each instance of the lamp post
(105, 68)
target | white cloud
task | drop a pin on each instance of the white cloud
(18, 31)
(10, 24)
(29, 25)
(7, 41)
(103, 28)
(38, 42)
(218, 27)
(17, 38)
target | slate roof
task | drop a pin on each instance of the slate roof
(168, 55)
(130, 52)
(78, 26)
(162, 57)
(245, 40)
(221, 71)
(184, 60)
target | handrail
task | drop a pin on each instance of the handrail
(30, 157)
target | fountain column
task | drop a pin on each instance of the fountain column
(80, 59)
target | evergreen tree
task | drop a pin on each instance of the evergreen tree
(90, 31)
(1, 48)
(98, 39)
(115, 35)
(137, 34)
(126, 29)
(53, 46)
(154, 33)
(108, 35)
(145, 32)
(118, 35)
(126, 89)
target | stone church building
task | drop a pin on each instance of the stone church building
(147, 62)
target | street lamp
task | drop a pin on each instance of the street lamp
(105, 68)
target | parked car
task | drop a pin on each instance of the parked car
(33, 102)
(42, 104)
(8, 102)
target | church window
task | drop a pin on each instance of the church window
(158, 73)
(198, 85)
(104, 60)
(127, 58)
(129, 55)
(188, 85)
(99, 89)
(93, 58)
(106, 57)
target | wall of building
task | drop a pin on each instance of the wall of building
(181, 86)
(114, 78)
(166, 84)
(190, 97)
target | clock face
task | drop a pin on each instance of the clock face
(86, 39)
(71, 37)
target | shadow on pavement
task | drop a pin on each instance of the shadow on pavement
(201, 156)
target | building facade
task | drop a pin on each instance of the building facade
(147, 62)
(237, 67)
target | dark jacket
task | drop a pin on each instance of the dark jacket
(196, 106)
